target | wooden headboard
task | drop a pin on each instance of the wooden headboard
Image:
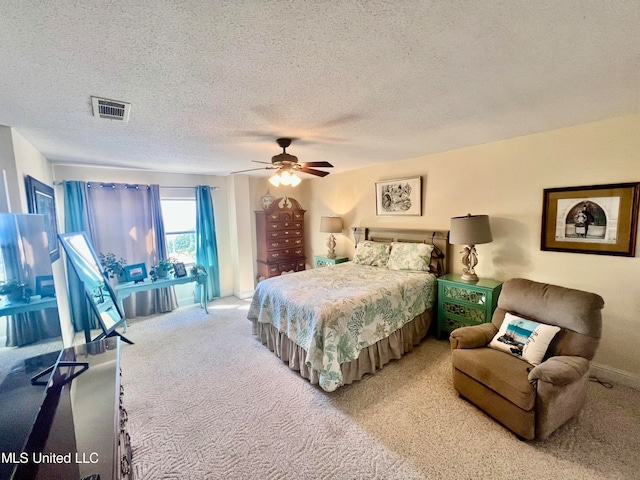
(438, 238)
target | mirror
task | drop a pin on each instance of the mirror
(27, 292)
(101, 296)
(30, 336)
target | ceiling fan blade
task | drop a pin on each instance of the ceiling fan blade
(313, 171)
(251, 170)
(317, 164)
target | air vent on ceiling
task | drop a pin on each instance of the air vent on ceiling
(111, 109)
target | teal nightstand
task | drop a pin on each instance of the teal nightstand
(463, 303)
(324, 261)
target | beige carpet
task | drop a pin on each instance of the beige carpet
(207, 401)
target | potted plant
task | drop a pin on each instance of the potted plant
(15, 292)
(164, 267)
(197, 268)
(112, 266)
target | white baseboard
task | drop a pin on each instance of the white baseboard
(614, 375)
(243, 295)
(233, 293)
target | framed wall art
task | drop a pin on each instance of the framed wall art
(402, 196)
(41, 199)
(599, 219)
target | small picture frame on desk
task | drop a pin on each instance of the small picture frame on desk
(135, 273)
(45, 286)
(179, 270)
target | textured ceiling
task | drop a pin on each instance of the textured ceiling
(212, 84)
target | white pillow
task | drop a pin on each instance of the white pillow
(372, 253)
(410, 256)
(524, 338)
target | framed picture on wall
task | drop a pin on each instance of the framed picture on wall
(41, 199)
(599, 219)
(402, 196)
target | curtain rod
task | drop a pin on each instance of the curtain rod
(172, 186)
(60, 182)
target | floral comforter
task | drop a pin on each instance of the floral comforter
(334, 312)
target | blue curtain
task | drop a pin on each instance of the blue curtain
(165, 298)
(206, 246)
(76, 219)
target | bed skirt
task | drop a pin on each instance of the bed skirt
(371, 358)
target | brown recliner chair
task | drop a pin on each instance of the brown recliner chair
(532, 401)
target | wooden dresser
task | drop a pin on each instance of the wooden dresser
(280, 231)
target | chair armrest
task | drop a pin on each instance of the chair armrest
(475, 336)
(560, 370)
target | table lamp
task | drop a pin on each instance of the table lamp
(470, 230)
(331, 225)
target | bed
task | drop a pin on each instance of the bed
(338, 323)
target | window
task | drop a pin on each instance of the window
(179, 216)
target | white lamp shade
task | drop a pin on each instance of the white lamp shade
(275, 179)
(331, 224)
(470, 230)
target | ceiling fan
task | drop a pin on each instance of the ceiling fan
(287, 166)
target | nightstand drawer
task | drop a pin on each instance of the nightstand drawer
(325, 261)
(466, 295)
(449, 324)
(466, 312)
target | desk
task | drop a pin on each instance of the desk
(124, 290)
(35, 303)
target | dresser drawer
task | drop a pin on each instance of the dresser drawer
(284, 253)
(284, 242)
(276, 234)
(296, 266)
(294, 225)
(285, 216)
(272, 226)
(287, 266)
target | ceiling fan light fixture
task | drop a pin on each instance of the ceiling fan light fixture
(275, 179)
(285, 177)
(287, 166)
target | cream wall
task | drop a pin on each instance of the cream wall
(506, 180)
(241, 234)
(220, 202)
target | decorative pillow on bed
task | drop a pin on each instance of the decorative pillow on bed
(372, 253)
(410, 256)
(523, 338)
